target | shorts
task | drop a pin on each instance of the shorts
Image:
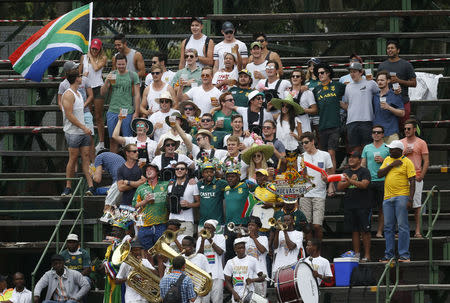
(376, 193)
(111, 122)
(359, 133)
(96, 91)
(357, 219)
(148, 235)
(313, 208)
(189, 228)
(329, 138)
(417, 201)
(114, 196)
(78, 140)
(389, 139)
(89, 121)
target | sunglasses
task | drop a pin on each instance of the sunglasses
(164, 101)
(267, 127)
(205, 75)
(305, 142)
(296, 76)
(408, 128)
(154, 62)
(140, 125)
(256, 156)
(155, 73)
(189, 56)
(206, 120)
(228, 32)
(229, 100)
(377, 132)
(270, 67)
(170, 145)
(180, 168)
(322, 73)
(132, 151)
(259, 97)
(261, 40)
(188, 108)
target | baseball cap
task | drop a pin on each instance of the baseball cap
(72, 237)
(355, 154)
(313, 60)
(256, 43)
(254, 93)
(96, 43)
(246, 71)
(239, 240)
(396, 144)
(227, 25)
(196, 19)
(70, 65)
(207, 165)
(262, 171)
(355, 65)
(57, 257)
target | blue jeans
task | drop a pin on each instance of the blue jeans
(395, 209)
(150, 234)
(111, 121)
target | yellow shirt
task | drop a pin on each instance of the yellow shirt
(265, 195)
(396, 182)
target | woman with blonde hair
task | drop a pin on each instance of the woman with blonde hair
(256, 157)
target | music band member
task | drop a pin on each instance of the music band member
(320, 266)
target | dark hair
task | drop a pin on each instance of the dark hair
(256, 220)
(161, 57)
(384, 72)
(235, 116)
(326, 67)
(357, 57)
(256, 35)
(174, 222)
(73, 75)
(191, 240)
(378, 126)
(120, 37)
(178, 262)
(182, 163)
(397, 45)
(277, 66)
(302, 74)
(411, 121)
(291, 117)
(317, 243)
(57, 257)
(274, 125)
(121, 57)
(308, 135)
(208, 115)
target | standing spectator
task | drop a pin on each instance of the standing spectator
(274, 86)
(129, 175)
(255, 114)
(243, 88)
(167, 75)
(388, 108)
(158, 119)
(77, 258)
(191, 112)
(91, 66)
(313, 203)
(358, 103)
(256, 157)
(238, 131)
(63, 284)
(372, 157)
(186, 288)
(357, 208)
(200, 42)
(257, 67)
(234, 156)
(78, 136)
(222, 117)
(189, 76)
(311, 79)
(266, 53)
(226, 77)
(399, 189)
(186, 192)
(5, 292)
(123, 87)
(346, 79)
(204, 150)
(290, 207)
(268, 134)
(206, 96)
(153, 92)
(150, 197)
(20, 293)
(416, 150)
(320, 266)
(207, 123)
(229, 45)
(401, 71)
(328, 94)
(134, 60)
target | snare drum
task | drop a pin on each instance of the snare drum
(296, 283)
(252, 297)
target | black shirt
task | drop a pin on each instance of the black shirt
(357, 197)
(132, 174)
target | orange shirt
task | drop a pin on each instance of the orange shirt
(419, 148)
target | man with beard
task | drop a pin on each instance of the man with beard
(243, 88)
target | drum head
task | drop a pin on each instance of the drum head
(252, 297)
(306, 283)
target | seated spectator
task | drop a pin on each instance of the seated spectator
(268, 135)
(266, 53)
(191, 112)
(204, 150)
(274, 86)
(234, 157)
(77, 258)
(129, 175)
(167, 75)
(222, 117)
(388, 112)
(257, 67)
(184, 78)
(226, 77)
(143, 128)
(243, 88)
(346, 79)
(200, 42)
(5, 292)
(178, 130)
(207, 122)
(206, 96)
(256, 157)
(230, 45)
(238, 131)
(153, 92)
(254, 115)
(20, 293)
(158, 119)
(63, 284)
(320, 266)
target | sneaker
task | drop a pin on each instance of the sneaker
(90, 191)
(67, 192)
(99, 147)
(384, 259)
(404, 259)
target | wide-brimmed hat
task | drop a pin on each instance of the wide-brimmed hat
(197, 110)
(173, 138)
(146, 121)
(177, 114)
(164, 95)
(267, 151)
(278, 103)
(203, 131)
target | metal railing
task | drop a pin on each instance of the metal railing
(79, 189)
(386, 274)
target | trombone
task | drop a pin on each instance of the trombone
(240, 230)
(278, 224)
(169, 236)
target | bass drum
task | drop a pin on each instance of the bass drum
(296, 283)
(251, 297)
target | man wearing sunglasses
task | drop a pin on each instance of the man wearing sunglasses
(158, 119)
(265, 52)
(254, 115)
(230, 45)
(167, 75)
(184, 78)
(207, 123)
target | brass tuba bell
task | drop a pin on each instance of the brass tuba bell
(170, 236)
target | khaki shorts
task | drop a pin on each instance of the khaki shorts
(389, 139)
(417, 201)
(313, 208)
(189, 228)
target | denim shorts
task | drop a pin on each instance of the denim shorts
(89, 121)
(111, 122)
(78, 140)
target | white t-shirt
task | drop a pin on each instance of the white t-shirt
(160, 117)
(221, 48)
(306, 100)
(174, 246)
(284, 86)
(284, 256)
(219, 153)
(243, 112)
(182, 149)
(166, 77)
(220, 76)
(321, 159)
(252, 67)
(200, 260)
(188, 214)
(239, 270)
(359, 97)
(202, 98)
(130, 294)
(283, 133)
(215, 261)
(21, 297)
(153, 95)
(248, 141)
(253, 251)
(181, 158)
(321, 265)
(151, 146)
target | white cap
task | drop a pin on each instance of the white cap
(212, 222)
(253, 94)
(240, 240)
(396, 144)
(72, 237)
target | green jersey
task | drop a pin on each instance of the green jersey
(211, 200)
(77, 260)
(226, 121)
(235, 199)
(155, 213)
(122, 93)
(240, 95)
(328, 98)
(299, 217)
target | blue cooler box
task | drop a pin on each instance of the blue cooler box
(343, 268)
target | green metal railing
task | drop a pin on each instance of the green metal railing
(386, 274)
(78, 192)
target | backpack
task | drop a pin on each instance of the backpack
(271, 93)
(362, 276)
(173, 295)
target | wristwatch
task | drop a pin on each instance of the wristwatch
(128, 182)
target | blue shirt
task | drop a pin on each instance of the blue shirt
(369, 154)
(110, 162)
(187, 287)
(384, 117)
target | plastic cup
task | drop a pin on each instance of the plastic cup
(112, 79)
(382, 100)
(172, 120)
(393, 74)
(395, 86)
(123, 113)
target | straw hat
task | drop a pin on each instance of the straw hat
(278, 103)
(267, 151)
(174, 139)
(164, 95)
(189, 102)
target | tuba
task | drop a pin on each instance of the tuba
(201, 279)
(141, 279)
(170, 236)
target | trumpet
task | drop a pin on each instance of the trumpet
(278, 224)
(204, 233)
(243, 231)
(170, 236)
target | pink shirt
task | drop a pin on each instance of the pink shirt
(420, 148)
